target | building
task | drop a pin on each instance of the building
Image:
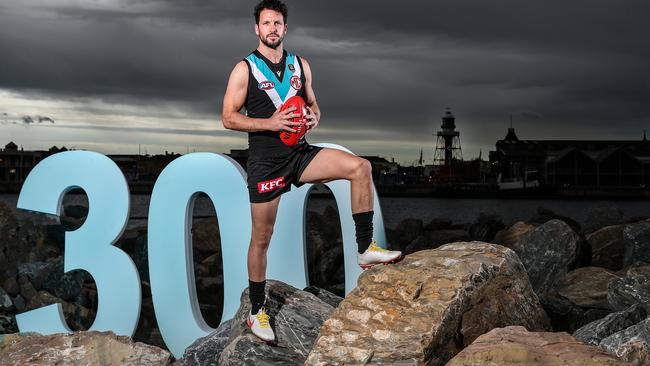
(573, 163)
(15, 164)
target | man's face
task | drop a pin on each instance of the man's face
(271, 28)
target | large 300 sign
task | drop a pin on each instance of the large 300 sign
(171, 272)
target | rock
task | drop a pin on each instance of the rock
(213, 264)
(599, 217)
(296, 317)
(205, 236)
(7, 325)
(406, 231)
(210, 289)
(547, 253)
(327, 297)
(27, 291)
(37, 272)
(19, 303)
(631, 344)
(8, 222)
(485, 227)
(75, 211)
(438, 224)
(509, 237)
(434, 239)
(79, 348)
(515, 345)
(332, 221)
(544, 215)
(140, 255)
(66, 286)
(11, 286)
(587, 287)
(607, 247)
(324, 251)
(426, 308)
(637, 243)
(207, 350)
(595, 332)
(5, 301)
(632, 289)
(55, 234)
(578, 298)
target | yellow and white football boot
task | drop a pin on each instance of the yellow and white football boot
(376, 255)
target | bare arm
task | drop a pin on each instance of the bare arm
(233, 101)
(310, 96)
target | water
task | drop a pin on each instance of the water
(396, 209)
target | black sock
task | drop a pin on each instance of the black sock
(256, 295)
(363, 226)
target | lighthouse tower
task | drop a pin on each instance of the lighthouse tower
(448, 151)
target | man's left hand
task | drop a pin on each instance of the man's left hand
(311, 119)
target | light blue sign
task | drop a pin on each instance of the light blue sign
(171, 269)
(90, 247)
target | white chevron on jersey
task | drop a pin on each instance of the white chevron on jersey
(272, 93)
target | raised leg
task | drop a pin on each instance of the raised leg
(332, 164)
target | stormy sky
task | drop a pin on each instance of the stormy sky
(109, 75)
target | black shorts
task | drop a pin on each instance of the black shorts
(269, 177)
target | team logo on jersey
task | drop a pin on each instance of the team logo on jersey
(266, 85)
(296, 83)
(291, 67)
(270, 185)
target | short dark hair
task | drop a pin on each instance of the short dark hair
(275, 5)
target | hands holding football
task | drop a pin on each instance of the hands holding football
(298, 115)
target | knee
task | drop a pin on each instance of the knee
(261, 237)
(362, 169)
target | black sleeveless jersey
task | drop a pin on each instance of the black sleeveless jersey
(269, 86)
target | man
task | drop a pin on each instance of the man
(261, 83)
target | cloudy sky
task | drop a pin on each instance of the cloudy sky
(109, 75)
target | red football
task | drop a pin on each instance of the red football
(292, 138)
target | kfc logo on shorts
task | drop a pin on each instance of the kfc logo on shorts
(269, 185)
(296, 83)
(266, 85)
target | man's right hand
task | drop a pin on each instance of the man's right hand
(283, 120)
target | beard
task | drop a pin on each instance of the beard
(273, 45)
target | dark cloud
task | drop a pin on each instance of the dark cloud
(23, 119)
(576, 69)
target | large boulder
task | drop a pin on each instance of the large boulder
(545, 215)
(596, 331)
(406, 231)
(607, 247)
(485, 227)
(515, 345)
(632, 289)
(599, 217)
(80, 348)
(547, 252)
(631, 344)
(426, 308)
(637, 242)
(579, 298)
(587, 287)
(509, 237)
(326, 296)
(207, 350)
(296, 317)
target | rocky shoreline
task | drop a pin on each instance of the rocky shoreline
(542, 291)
